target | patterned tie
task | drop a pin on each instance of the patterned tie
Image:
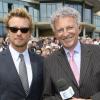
(74, 66)
(23, 74)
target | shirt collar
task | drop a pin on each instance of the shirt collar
(77, 48)
(15, 54)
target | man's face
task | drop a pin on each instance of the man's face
(67, 31)
(19, 32)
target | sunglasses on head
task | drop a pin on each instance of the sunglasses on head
(22, 29)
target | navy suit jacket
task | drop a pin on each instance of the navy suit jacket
(10, 83)
(57, 67)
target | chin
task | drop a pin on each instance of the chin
(20, 45)
(68, 45)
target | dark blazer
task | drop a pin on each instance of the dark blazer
(10, 83)
(57, 67)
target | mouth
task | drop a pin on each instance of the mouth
(67, 38)
(18, 39)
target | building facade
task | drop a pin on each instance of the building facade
(88, 9)
(41, 10)
(7, 5)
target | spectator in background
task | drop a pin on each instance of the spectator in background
(39, 51)
(1, 45)
(31, 46)
(96, 41)
(4, 42)
(46, 51)
(76, 63)
(13, 82)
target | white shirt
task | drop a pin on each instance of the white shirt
(16, 59)
(77, 55)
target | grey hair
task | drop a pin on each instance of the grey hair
(63, 12)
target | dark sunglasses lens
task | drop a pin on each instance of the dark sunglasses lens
(13, 29)
(24, 30)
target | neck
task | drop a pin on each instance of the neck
(20, 49)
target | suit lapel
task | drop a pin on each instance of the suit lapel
(85, 58)
(11, 68)
(13, 72)
(65, 65)
(34, 67)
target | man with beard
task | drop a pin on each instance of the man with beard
(20, 69)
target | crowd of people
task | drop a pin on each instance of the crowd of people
(46, 45)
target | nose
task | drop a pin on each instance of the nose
(65, 32)
(19, 32)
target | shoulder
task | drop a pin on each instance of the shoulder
(5, 51)
(5, 56)
(93, 49)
